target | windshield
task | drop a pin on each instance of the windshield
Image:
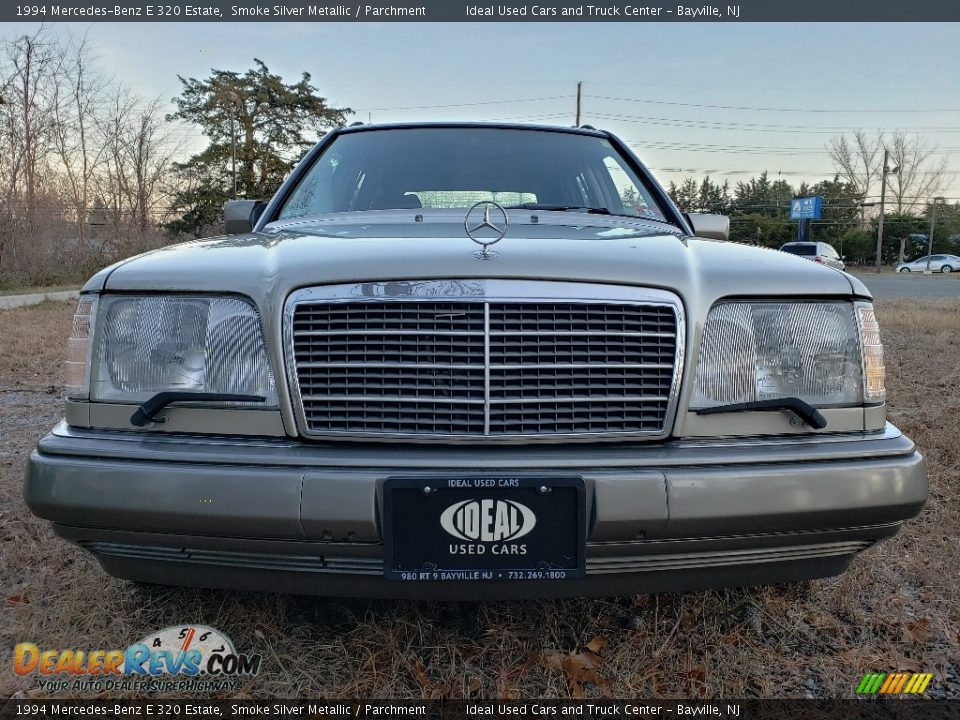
(457, 167)
(800, 249)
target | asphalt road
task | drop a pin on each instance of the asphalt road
(15, 301)
(911, 285)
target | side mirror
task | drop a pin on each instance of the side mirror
(715, 227)
(239, 216)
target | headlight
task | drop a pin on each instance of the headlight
(755, 351)
(147, 345)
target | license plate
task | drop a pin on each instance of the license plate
(484, 528)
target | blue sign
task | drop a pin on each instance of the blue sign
(806, 208)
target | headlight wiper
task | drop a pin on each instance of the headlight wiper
(803, 410)
(147, 413)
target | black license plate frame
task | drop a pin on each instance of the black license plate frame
(488, 512)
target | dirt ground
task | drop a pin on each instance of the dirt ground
(896, 609)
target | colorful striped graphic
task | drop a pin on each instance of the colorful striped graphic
(894, 683)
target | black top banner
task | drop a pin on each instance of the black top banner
(480, 11)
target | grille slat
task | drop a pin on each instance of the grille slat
(484, 368)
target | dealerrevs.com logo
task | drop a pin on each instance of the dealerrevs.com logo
(488, 520)
(176, 658)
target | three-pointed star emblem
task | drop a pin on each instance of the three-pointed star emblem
(493, 218)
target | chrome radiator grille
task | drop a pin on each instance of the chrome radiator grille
(485, 366)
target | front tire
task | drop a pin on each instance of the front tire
(903, 270)
(946, 269)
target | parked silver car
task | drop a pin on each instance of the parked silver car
(937, 263)
(473, 361)
(818, 252)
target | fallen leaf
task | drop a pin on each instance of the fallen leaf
(917, 631)
(597, 645)
(16, 600)
(423, 680)
(580, 667)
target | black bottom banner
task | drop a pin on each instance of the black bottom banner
(473, 709)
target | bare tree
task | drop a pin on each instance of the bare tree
(140, 149)
(28, 64)
(921, 173)
(81, 159)
(78, 88)
(857, 160)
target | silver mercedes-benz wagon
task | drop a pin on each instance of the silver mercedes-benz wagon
(473, 361)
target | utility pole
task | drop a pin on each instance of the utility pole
(233, 152)
(579, 85)
(933, 222)
(231, 102)
(883, 199)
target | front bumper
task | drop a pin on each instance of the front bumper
(287, 516)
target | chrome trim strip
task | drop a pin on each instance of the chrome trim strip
(876, 448)
(444, 366)
(498, 333)
(361, 398)
(374, 566)
(486, 368)
(484, 291)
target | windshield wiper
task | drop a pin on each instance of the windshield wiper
(560, 208)
(147, 413)
(803, 410)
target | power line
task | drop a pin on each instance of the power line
(785, 172)
(743, 149)
(467, 104)
(764, 109)
(753, 127)
(779, 88)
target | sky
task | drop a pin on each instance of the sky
(728, 100)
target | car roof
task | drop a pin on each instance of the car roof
(474, 125)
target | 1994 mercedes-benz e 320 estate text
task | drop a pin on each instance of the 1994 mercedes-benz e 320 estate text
(473, 361)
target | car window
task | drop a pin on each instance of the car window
(800, 249)
(936, 257)
(632, 198)
(405, 168)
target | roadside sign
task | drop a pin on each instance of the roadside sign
(806, 208)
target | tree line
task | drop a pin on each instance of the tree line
(91, 171)
(84, 162)
(759, 208)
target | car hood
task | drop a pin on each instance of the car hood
(408, 245)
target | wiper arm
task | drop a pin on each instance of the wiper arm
(560, 208)
(147, 413)
(803, 410)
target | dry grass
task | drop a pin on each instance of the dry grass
(897, 608)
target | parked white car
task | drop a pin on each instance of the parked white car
(817, 251)
(938, 263)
